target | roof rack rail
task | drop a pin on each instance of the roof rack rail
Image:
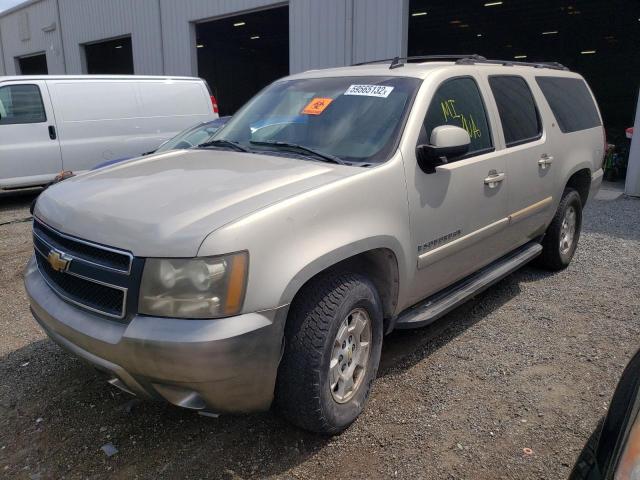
(551, 65)
(396, 62)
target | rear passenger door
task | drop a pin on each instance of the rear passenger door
(29, 148)
(529, 157)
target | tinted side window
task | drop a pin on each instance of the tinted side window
(518, 112)
(571, 103)
(21, 104)
(458, 102)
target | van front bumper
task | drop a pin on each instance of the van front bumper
(227, 365)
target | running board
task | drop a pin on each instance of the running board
(446, 300)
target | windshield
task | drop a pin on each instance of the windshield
(192, 137)
(354, 119)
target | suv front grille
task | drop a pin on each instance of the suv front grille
(103, 256)
(95, 277)
(96, 297)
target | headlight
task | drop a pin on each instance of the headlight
(205, 287)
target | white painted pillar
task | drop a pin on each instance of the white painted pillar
(632, 184)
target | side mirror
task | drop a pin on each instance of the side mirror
(446, 142)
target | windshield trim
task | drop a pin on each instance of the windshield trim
(386, 153)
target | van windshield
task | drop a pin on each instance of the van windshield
(353, 119)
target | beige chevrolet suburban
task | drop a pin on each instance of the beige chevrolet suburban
(266, 266)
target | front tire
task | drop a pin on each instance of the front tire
(333, 340)
(561, 238)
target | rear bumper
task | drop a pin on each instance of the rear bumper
(227, 365)
(596, 181)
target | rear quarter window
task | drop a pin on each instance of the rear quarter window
(571, 103)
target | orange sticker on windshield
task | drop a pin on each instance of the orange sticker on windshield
(317, 106)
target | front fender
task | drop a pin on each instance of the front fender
(331, 258)
(291, 241)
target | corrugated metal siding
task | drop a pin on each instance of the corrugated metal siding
(86, 21)
(178, 32)
(2, 69)
(319, 34)
(379, 29)
(33, 18)
(323, 33)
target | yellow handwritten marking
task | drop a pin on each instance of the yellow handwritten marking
(468, 123)
(449, 109)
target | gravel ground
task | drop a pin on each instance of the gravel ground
(531, 363)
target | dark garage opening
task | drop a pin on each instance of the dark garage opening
(33, 65)
(599, 39)
(239, 55)
(110, 57)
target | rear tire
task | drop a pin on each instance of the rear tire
(332, 351)
(561, 238)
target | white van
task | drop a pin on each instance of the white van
(54, 123)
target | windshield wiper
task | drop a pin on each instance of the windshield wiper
(326, 157)
(221, 142)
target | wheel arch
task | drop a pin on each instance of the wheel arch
(580, 180)
(380, 263)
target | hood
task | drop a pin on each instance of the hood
(166, 204)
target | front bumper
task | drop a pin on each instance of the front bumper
(227, 365)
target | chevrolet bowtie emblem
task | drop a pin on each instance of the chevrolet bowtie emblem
(58, 261)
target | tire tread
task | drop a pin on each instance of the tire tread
(550, 257)
(310, 320)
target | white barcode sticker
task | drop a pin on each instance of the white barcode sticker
(381, 91)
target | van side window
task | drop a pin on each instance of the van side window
(21, 104)
(571, 103)
(458, 102)
(518, 111)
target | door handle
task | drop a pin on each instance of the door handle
(52, 132)
(545, 161)
(494, 179)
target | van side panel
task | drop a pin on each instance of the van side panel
(29, 147)
(105, 119)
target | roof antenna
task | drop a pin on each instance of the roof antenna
(395, 63)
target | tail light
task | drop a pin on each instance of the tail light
(214, 102)
(606, 147)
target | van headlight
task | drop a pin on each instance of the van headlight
(202, 287)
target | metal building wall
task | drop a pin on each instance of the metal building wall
(87, 21)
(178, 27)
(322, 33)
(22, 32)
(380, 29)
(330, 33)
(3, 71)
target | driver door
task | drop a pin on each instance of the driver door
(457, 212)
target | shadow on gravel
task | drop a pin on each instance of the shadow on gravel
(404, 348)
(14, 206)
(56, 413)
(18, 199)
